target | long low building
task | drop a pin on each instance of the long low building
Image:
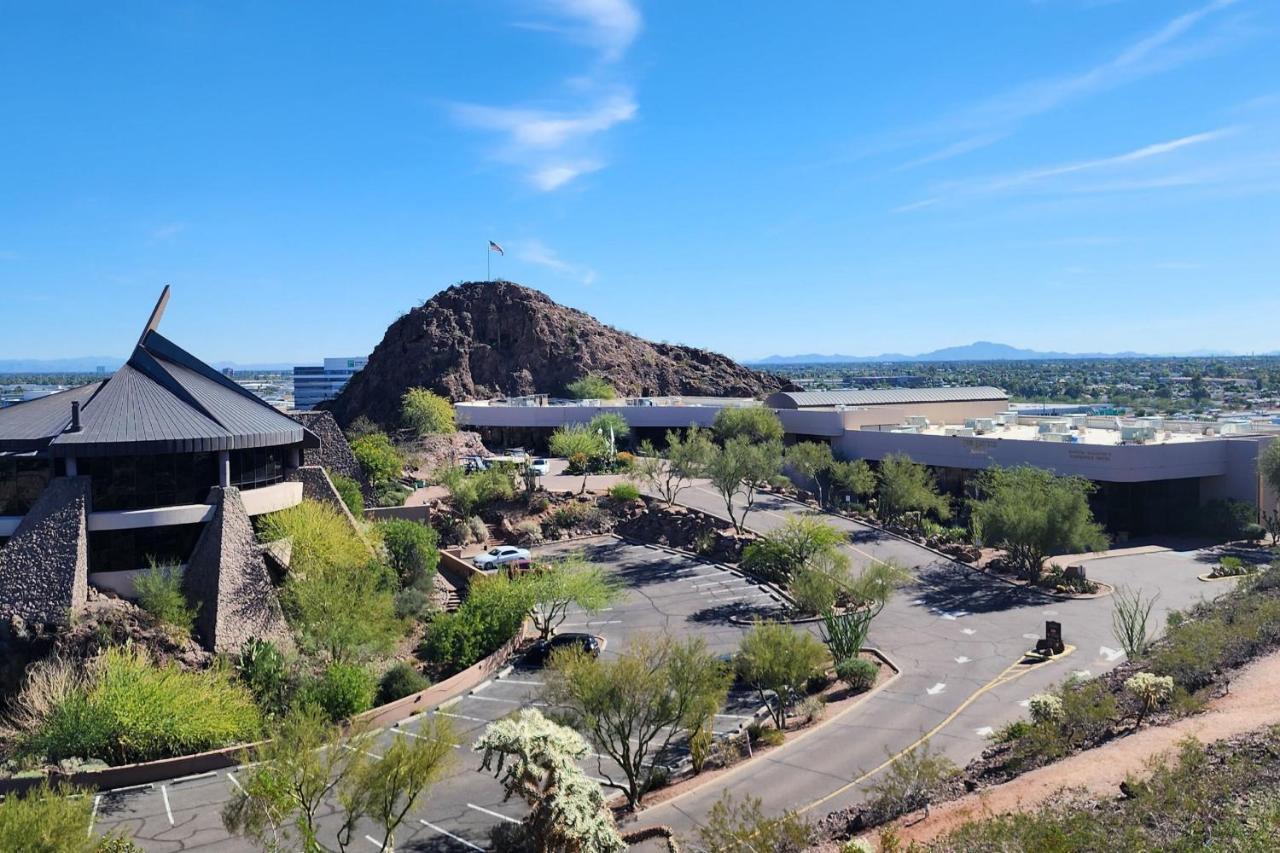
(1152, 473)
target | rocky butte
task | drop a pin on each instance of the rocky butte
(480, 340)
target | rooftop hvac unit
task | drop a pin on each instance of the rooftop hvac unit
(912, 430)
(1153, 421)
(955, 430)
(917, 421)
(1137, 432)
(1009, 418)
(984, 424)
(1056, 436)
(1059, 427)
(1078, 421)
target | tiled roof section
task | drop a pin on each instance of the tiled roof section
(888, 397)
(29, 425)
(163, 400)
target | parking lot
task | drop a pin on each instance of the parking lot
(664, 592)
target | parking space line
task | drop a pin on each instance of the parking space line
(429, 825)
(234, 781)
(375, 842)
(363, 751)
(164, 793)
(399, 731)
(192, 777)
(93, 815)
(529, 683)
(498, 815)
(590, 624)
(497, 699)
(462, 717)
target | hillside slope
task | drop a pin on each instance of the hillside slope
(486, 339)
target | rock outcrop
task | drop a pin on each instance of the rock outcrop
(227, 573)
(489, 339)
(44, 567)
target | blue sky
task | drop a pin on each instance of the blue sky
(842, 177)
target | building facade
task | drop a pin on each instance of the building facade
(166, 460)
(314, 384)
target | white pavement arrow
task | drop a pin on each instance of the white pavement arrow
(1112, 655)
(936, 689)
(968, 631)
(985, 731)
(962, 659)
(1082, 673)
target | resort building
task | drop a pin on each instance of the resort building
(165, 460)
(1152, 473)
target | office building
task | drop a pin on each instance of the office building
(313, 384)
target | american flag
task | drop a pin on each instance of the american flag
(494, 247)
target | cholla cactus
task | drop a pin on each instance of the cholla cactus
(536, 762)
(1046, 708)
(1150, 690)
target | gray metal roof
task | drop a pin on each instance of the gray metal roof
(888, 397)
(163, 400)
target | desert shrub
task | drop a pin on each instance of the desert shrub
(858, 674)
(265, 671)
(765, 559)
(538, 503)
(48, 684)
(473, 491)
(1230, 567)
(811, 708)
(573, 516)
(624, 492)
(413, 603)
(401, 680)
(131, 709)
(769, 736)
(343, 612)
(412, 550)
(909, 783)
(490, 615)
(1191, 653)
(528, 532)
(625, 461)
(1088, 711)
(700, 747)
(1010, 732)
(159, 589)
(857, 845)
(389, 493)
(341, 691)
(48, 819)
(425, 412)
(1045, 708)
(320, 535)
(591, 388)
(349, 490)
(741, 826)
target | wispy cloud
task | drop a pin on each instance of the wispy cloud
(166, 232)
(540, 254)
(1175, 43)
(554, 146)
(1111, 167)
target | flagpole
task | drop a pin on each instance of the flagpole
(488, 258)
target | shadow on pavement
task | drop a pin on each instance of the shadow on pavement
(955, 590)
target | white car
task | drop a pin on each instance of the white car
(541, 467)
(501, 555)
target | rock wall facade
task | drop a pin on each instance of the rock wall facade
(227, 574)
(334, 453)
(44, 567)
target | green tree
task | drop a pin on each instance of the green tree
(812, 460)
(591, 388)
(160, 593)
(278, 800)
(753, 423)
(473, 491)
(412, 550)
(570, 581)
(349, 490)
(346, 612)
(852, 477)
(906, 486)
(491, 614)
(536, 761)
(1032, 513)
(611, 427)
(579, 444)
(426, 412)
(385, 789)
(777, 660)
(845, 632)
(670, 472)
(378, 457)
(633, 706)
(787, 549)
(741, 826)
(737, 469)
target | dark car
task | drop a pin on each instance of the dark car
(540, 652)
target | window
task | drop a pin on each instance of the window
(145, 482)
(117, 550)
(262, 466)
(22, 479)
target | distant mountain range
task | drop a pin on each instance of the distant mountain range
(90, 364)
(979, 351)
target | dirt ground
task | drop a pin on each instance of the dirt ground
(1250, 704)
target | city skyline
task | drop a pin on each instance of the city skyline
(1057, 175)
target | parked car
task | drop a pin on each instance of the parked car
(541, 467)
(540, 652)
(501, 555)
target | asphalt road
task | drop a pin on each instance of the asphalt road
(957, 636)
